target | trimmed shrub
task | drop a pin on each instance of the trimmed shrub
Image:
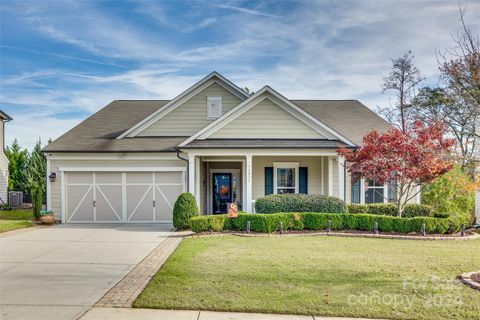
(416, 210)
(184, 209)
(357, 208)
(299, 203)
(268, 223)
(390, 209)
(208, 223)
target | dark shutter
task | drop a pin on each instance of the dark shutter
(303, 180)
(268, 180)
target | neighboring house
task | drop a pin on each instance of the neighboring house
(129, 161)
(3, 159)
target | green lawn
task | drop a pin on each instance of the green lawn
(332, 276)
(15, 219)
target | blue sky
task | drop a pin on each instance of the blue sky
(61, 61)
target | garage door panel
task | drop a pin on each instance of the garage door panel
(139, 177)
(108, 178)
(80, 203)
(168, 177)
(139, 203)
(108, 197)
(109, 203)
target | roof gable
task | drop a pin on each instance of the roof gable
(280, 125)
(282, 102)
(203, 84)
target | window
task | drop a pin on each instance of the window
(214, 107)
(285, 177)
(374, 192)
(356, 191)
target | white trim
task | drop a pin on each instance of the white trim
(286, 165)
(49, 186)
(191, 174)
(248, 182)
(341, 178)
(246, 105)
(197, 181)
(330, 176)
(244, 184)
(112, 156)
(217, 99)
(121, 169)
(262, 152)
(322, 176)
(181, 98)
(362, 191)
(63, 203)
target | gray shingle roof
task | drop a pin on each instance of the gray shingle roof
(97, 133)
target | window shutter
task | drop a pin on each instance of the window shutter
(303, 180)
(268, 180)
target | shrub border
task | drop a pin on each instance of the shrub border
(339, 234)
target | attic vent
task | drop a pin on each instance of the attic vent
(214, 107)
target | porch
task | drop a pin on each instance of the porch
(217, 177)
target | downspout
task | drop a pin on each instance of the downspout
(188, 171)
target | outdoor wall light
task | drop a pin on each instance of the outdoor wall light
(52, 176)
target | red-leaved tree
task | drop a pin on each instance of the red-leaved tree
(412, 158)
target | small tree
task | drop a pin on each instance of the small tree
(36, 178)
(411, 159)
(17, 164)
(185, 208)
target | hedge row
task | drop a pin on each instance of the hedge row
(299, 203)
(268, 223)
(390, 209)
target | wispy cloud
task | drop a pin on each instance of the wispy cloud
(245, 10)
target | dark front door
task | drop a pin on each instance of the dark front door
(222, 192)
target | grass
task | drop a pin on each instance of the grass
(15, 219)
(330, 276)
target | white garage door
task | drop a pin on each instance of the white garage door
(121, 196)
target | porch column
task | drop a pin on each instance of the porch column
(191, 174)
(248, 195)
(341, 178)
(330, 176)
(197, 180)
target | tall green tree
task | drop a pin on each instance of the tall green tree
(36, 177)
(17, 166)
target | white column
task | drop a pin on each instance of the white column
(62, 196)
(330, 176)
(197, 180)
(362, 191)
(341, 178)
(322, 177)
(248, 196)
(191, 174)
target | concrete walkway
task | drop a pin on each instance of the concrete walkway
(151, 314)
(62, 271)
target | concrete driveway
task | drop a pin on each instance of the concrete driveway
(61, 271)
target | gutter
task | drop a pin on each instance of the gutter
(188, 167)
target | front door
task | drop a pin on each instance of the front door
(222, 192)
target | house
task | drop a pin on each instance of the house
(129, 161)
(3, 159)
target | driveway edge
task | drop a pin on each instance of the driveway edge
(126, 291)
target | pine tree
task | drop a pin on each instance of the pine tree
(36, 178)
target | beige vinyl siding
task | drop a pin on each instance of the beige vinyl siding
(258, 172)
(124, 164)
(191, 116)
(267, 120)
(335, 177)
(3, 167)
